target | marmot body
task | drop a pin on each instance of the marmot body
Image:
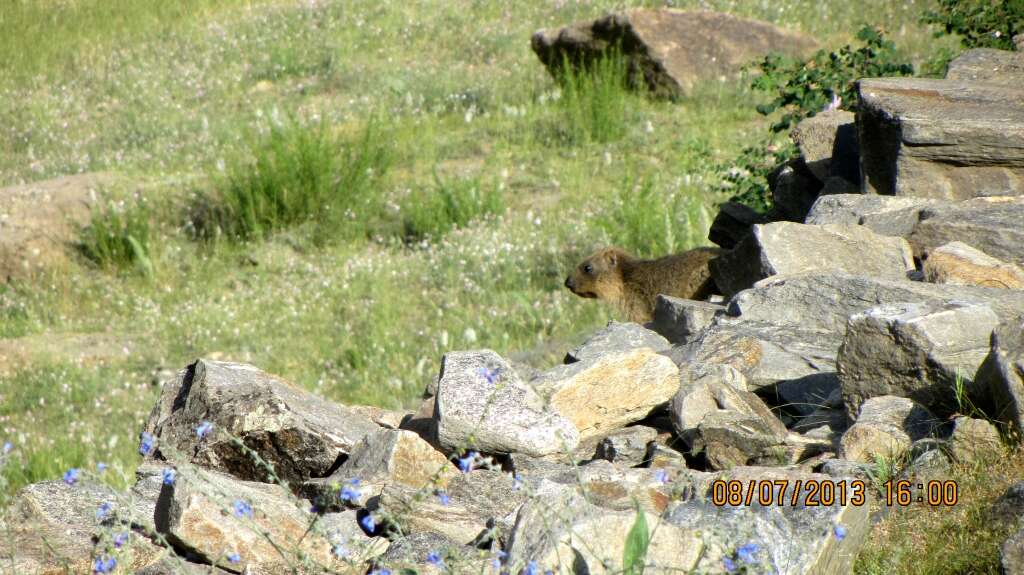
(633, 284)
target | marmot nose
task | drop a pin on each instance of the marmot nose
(569, 283)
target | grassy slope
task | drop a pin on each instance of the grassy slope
(168, 94)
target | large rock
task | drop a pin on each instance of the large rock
(786, 247)
(948, 139)
(886, 215)
(916, 350)
(988, 66)
(1002, 374)
(668, 50)
(1011, 554)
(703, 394)
(794, 189)
(886, 427)
(732, 224)
(617, 337)
(52, 528)
(610, 391)
(974, 440)
(570, 535)
(960, 264)
(828, 145)
(411, 552)
(991, 225)
(680, 320)
(300, 434)
(627, 446)
(482, 403)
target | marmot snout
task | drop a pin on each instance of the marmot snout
(633, 284)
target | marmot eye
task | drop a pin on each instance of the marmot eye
(588, 269)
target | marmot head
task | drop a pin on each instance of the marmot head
(599, 276)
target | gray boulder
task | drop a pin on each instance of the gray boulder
(298, 433)
(1009, 508)
(1002, 375)
(960, 264)
(916, 350)
(482, 403)
(885, 427)
(991, 225)
(680, 320)
(1011, 554)
(828, 145)
(949, 139)
(974, 440)
(794, 189)
(851, 469)
(989, 66)
(732, 223)
(616, 337)
(885, 215)
(786, 247)
(667, 50)
(627, 446)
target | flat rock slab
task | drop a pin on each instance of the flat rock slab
(617, 337)
(989, 66)
(787, 247)
(886, 426)
(1003, 374)
(992, 225)
(949, 139)
(828, 145)
(482, 403)
(668, 50)
(302, 435)
(960, 264)
(680, 320)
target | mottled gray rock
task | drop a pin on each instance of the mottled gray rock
(668, 50)
(794, 189)
(481, 402)
(617, 337)
(1002, 374)
(51, 525)
(991, 225)
(300, 434)
(569, 534)
(886, 215)
(828, 145)
(411, 551)
(732, 224)
(844, 468)
(933, 465)
(823, 301)
(988, 66)
(703, 393)
(960, 264)
(179, 566)
(1009, 508)
(787, 247)
(627, 446)
(949, 139)
(974, 440)
(885, 427)
(609, 391)
(347, 538)
(680, 320)
(916, 350)
(730, 438)
(836, 185)
(1011, 554)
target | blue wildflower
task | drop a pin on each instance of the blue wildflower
(340, 551)
(729, 564)
(242, 509)
(203, 429)
(839, 531)
(146, 443)
(101, 467)
(169, 476)
(103, 510)
(531, 569)
(368, 523)
(746, 552)
(489, 375)
(466, 463)
(498, 558)
(8, 446)
(435, 559)
(120, 539)
(104, 564)
(443, 497)
(517, 481)
(384, 571)
(71, 476)
(661, 476)
(234, 558)
(350, 492)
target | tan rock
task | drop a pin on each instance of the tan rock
(886, 427)
(974, 439)
(960, 264)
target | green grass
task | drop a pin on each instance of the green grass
(595, 100)
(449, 204)
(119, 237)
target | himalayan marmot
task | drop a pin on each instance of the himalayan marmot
(633, 284)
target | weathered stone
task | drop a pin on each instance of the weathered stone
(729, 439)
(960, 264)
(988, 66)
(991, 225)
(787, 247)
(1011, 554)
(974, 440)
(885, 427)
(387, 456)
(482, 403)
(212, 515)
(794, 189)
(1002, 375)
(421, 422)
(617, 337)
(885, 215)
(790, 539)
(852, 469)
(627, 446)
(383, 417)
(347, 539)
(824, 301)
(51, 527)
(947, 139)
(929, 466)
(732, 224)
(680, 320)
(836, 185)
(667, 50)
(411, 551)
(1018, 42)
(571, 535)
(177, 566)
(661, 456)
(300, 434)
(916, 350)
(828, 145)
(1009, 508)
(611, 391)
(702, 392)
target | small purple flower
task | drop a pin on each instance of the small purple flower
(435, 559)
(8, 446)
(661, 476)
(71, 476)
(729, 564)
(442, 496)
(498, 558)
(340, 551)
(235, 558)
(169, 475)
(101, 467)
(103, 510)
(517, 481)
(489, 375)
(466, 462)
(242, 509)
(839, 531)
(120, 539)
(104, 564)
(368, 523)
(350, 492)
(146, 443)
(836, 102)
(203, 429)
(384, 571)
(531, 569)
(746, 552)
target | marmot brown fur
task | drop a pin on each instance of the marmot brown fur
(633, 284)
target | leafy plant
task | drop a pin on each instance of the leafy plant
(979, 23)
(118, 236)
(637, 541)
(449, 204)
(594, 99)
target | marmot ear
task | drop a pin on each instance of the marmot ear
(611, 257)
